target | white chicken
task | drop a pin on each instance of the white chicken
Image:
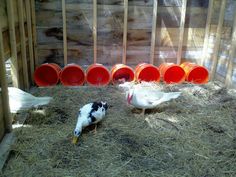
(20, 100)
(146, 98)
(90, 113)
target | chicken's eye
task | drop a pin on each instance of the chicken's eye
(76, 132)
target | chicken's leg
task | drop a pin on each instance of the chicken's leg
(95, 129)
(143, 112)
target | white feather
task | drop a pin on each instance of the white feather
(20, 100)
(145, 98)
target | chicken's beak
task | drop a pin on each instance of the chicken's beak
(75, 140)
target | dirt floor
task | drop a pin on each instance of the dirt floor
(193, 135)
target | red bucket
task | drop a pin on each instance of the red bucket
(172, 73)
(47, 74)
(121, 73)
(147, 72)
(97, 75)
(72, 75)
(195, 73)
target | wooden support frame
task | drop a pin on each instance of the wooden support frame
(218, 39)
(14, 61)
(154, 27)
(95, 31)
(4, 88)
(228, 80)
(125, 31)
(34, 33)
(23, 44)
(63, 4)
(207, 31)
(181, 33)
(30, 38)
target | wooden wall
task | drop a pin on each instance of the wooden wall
(110, 26)
(16, 28)
(16, 44)
(2, 127)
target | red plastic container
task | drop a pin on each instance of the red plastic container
(121, 73)
(147, 72)
(172, 73)
(47, 74)
(97, 75)
(195, 73)
(72, 75)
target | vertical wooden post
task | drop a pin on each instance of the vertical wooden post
(14, 62)
(64, 31)
(23, 44)
(181, 33)
(207, 31)
(95, 31)
(34, 32)
(4, 87)
(218, 38)
(30, 38)
(125, 31)
(154, 27)
(232, 51)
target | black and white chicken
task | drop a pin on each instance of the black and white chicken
(90, 113)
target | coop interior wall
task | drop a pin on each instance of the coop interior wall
(110, 28)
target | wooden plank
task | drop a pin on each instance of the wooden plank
(23, 44)
(125, 31)
(30, 38)
(94, 31)
(34, 33)
(4, 88)
(154, 28)
(218, 39)
(228, 80)
(5, 147)
(83, 55)
(3, 13)
(181, 33)
(167, 36)
(2, 126)
(78, 17)
(14, 62)
(192, 3)
(207, 32)
(64, 31)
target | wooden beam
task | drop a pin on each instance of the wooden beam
(14, 62)
(23, 44)
(63, 3)
(181, 33)
(207, 31)
(154, 27)
(95, 31)
(30, 38)
(34, 32)
(4, 88)
(232, 51)
(5, 148)
(218, 39)
(125, 31)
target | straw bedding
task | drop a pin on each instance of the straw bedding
(194, 135)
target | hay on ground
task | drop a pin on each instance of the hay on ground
(194, 135)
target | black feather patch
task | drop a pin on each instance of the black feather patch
(93, 119)
(95, 106)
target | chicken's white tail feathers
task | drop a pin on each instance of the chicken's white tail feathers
(171, 95)
(42, 101)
